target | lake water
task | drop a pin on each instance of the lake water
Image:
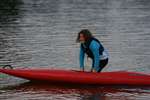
(42, 34)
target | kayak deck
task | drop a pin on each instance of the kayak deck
(78, 77)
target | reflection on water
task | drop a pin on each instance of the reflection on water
(37, 33)
(66, 92)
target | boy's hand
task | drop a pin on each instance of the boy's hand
(92, 70)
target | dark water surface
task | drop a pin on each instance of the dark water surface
(42, 34)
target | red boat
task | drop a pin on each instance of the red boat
(78, 77)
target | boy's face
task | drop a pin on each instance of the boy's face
(82, 38)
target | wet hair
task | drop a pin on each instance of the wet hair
(86, 33)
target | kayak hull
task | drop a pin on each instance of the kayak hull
(78, 77)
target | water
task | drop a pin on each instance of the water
(42, 34)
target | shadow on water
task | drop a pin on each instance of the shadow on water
(10, 17)
(9, 10)
(82, 92)
(9, 14)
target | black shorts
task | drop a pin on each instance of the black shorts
(102, 64)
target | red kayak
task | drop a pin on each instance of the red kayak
(78, 77)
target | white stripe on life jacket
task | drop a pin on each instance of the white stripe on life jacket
(105, 55)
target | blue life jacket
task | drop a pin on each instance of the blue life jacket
(86, 48)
